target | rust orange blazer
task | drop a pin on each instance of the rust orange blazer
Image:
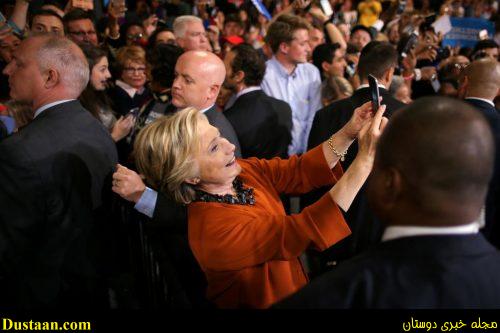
(250, 253)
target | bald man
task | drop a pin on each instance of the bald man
(479, 85)
(53, 175)
(429, 190)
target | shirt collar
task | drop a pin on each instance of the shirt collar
(247, 90)
(48, 106)
(131, 91)
(366, 85)
(205, 110)
(282, 70)
(394, 232)
(483, 100)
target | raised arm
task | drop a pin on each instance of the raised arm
(346, 189)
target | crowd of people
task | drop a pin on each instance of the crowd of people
(237, 146)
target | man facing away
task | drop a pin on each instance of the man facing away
(432, 254)
(53, 175)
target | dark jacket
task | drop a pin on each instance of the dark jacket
(56, 177)
(492, 211)
(263, 125)
(448, 271)
(366, 229)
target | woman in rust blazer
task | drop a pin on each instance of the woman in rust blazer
(238, 229)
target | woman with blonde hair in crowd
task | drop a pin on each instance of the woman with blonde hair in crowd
(238, 229)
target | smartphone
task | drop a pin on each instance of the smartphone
(374, 93)
(412, 41)
(133, 113)
(327, 8)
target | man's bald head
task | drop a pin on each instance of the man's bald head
(208, 63)
(481, 79)
(434, 161)
(47, 68)
(199, 76)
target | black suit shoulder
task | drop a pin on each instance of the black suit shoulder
(262, 123)
(53, 175)
(411, 272)
(217, 119)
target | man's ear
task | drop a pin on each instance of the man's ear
(213, 91)
(180, 42)
(388, 76)
(462, 88)
(193, 181)
(284, 48)
(326, 66)
(52, 78)
(392, 186)
(239, 76)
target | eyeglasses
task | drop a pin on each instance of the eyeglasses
(138, 36)
(83, 33)
(140, 70)
(460, 66)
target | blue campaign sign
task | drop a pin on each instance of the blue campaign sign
(465, 31)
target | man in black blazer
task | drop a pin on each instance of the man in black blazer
(429, 190)
(198, 78)
(378, 59)
(54, 175)
(262, 123)
(479, 84)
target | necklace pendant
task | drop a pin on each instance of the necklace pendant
(342, 159)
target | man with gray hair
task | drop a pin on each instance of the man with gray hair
(53, 175)
(190, 34)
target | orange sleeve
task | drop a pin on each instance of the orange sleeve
(298, 175)
(254, 238)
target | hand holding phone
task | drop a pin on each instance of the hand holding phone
(374, 92)
(412, 41)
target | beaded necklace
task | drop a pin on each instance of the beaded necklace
(244, 196)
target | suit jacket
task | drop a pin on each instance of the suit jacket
(263, 125)
(333, 117)
(492, 212)
(55, 174)
(366, 229)
(445, 271)
(217, 119)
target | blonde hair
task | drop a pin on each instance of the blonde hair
(131, 53)
(165, 153)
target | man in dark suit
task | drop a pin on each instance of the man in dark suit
(378, 59)
(53, 175)
(479, 84)
(263, 123)
(429, 190)
(198, 78)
